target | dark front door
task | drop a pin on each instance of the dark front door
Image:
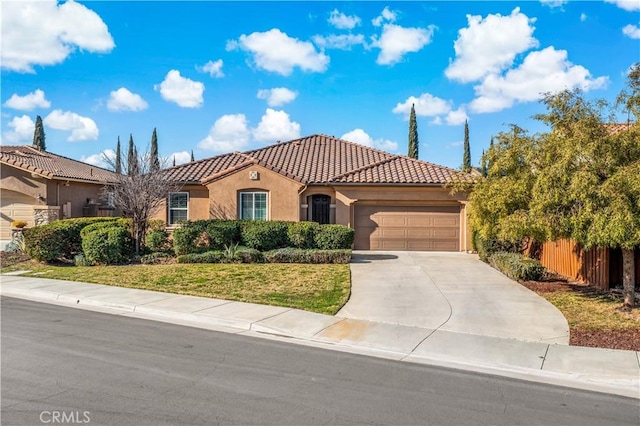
(320, 208)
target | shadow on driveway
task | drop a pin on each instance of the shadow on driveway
(369, 258)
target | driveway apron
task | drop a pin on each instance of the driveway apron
(448, 291)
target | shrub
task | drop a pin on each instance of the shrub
(293, 255)
(80, 260)
(107, 245)
(59, 240)
(264, 235)
(517, 266)
(223, 233)
(191, 238)
(17, 245)
(249, 255)
(18, 224)
(158, 241)
(155, 225)
(334, 237)
(488, 246)
(155, 258)
(206, 257)
(301, 234)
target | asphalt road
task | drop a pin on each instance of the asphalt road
(88, 367)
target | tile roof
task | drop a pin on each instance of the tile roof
(319, 159)
(52, 166)
(614, 128)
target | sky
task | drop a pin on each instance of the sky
(217, 77)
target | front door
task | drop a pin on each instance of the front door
(320, 208)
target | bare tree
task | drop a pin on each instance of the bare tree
(139, 194)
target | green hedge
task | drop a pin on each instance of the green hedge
(293, 255)
(59, 240)
(191, 238)
(264, 235)
(517, 266)
(223, 233)
(302, 234)
(334, 237)
(107, 245)
(158, 241)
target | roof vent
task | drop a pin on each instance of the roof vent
(253, 175)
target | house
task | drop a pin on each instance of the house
(392, 201)
(39, 187)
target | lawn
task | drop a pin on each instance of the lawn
(316, 288)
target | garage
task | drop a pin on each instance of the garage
(14, 206)
(411, 228)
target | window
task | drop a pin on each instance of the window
(253, 205)
(178, 207)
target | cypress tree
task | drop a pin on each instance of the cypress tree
(174, 161)
(118, 162)
(413, 134)
(483, 164)
(132, 161)
(192, 157)
(38, 135)
(466, 159)
(490, 155)
(153, 158)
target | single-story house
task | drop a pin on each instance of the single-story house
(392, 201)
(38, 187)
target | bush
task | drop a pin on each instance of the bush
(155, 258)
(301, 234)
(107, 245)
(80, 260)
(293, 255)
(18, 224)
(158, 241)
(155, 225)
(17, 245)
(249, 255)
(517, 266)
(206, 257)
(264, 235)
(223, 233)
(488, 246)
(334, 237)
(191, 238)
(59, 240)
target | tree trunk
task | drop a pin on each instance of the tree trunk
(628, 278)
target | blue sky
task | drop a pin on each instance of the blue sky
(215, 77)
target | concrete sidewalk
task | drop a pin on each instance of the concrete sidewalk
(603, 370)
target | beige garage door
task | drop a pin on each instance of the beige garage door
(429, 228)
(14, 206)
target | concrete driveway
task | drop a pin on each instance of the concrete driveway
(449, 291)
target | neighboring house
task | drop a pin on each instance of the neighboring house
(39, 186)
(392, 201)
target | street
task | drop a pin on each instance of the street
(100, 369)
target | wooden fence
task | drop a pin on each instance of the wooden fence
(600, 267)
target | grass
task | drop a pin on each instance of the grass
(316, 288)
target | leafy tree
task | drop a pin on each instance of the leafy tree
(466, 159)
(38, 135)
(155, 162)
(413, 134)
(118, 160)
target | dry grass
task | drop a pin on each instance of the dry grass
(316, 288)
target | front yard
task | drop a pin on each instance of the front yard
(316, 288)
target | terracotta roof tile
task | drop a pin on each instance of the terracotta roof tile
(614, 128)
(320, 159)
(52, 166)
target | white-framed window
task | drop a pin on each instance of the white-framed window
(253, 205)
(111, 199)
(178, 207)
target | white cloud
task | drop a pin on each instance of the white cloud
(338, 41)
(277, 96)
(180, 157)
(124, 100)
(22, 130)
(554, 3)
(45, 33)
(181, 90)
(229, 133)
(426, 105)
(631, 31)
(396, 41)
(28, 102)
(547, 70)
(342, 21)
(583, 17)
(361, 137)
(214, 69)
(104, 159)
(488, 46)
(456, 117)
(275, 51)
(387, 15)
(82, 128)
(276, 126)
(629, 5)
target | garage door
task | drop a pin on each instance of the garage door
(14, 206)
(429, 228)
